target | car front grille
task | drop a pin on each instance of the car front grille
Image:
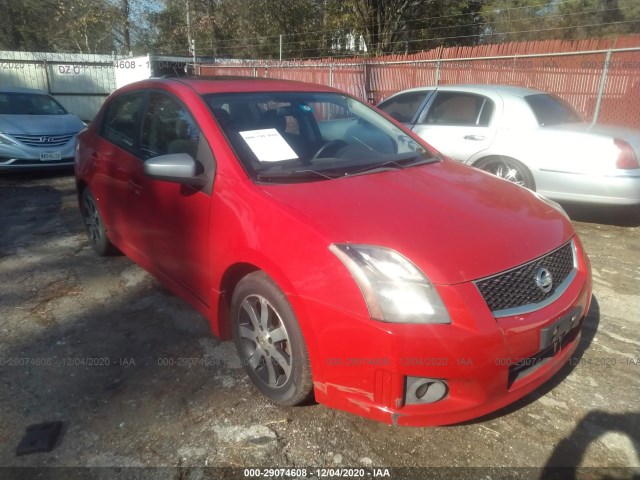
(515, 291)
(44, 140)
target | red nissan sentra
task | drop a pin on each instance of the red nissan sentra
(345, 257)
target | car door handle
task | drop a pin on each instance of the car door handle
(476, 138)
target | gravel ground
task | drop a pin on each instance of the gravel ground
(138, 380)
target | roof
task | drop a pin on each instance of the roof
(20, 90)
(231, 84)
(481, 88)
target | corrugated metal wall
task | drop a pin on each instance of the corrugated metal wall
(80, 82)
(566, 68)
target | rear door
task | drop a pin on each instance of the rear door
(459, 124)
(113, 157)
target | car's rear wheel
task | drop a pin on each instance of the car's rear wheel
(94, 225)
(269, 340)
(508, 168)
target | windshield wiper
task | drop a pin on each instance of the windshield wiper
(294, 175)
(394, 165)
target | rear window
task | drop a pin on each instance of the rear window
(29, 104)
(551, 110)
(121, 123)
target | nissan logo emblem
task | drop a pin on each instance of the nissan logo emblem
(544, 279)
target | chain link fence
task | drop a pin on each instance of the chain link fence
(600, 78)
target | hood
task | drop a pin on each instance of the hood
(40, 124)
(454, 222)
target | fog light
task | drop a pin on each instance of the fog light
(424, 390)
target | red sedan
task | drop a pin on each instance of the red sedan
(345, 257)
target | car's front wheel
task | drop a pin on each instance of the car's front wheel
(508, 168)
(94, 225)
(269, 340)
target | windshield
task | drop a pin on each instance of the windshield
(551, 110)
(299, 136)
(29, 104)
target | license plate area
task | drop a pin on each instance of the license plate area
(552, 339)
(48, 156)
(555, 333)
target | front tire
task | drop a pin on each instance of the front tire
(269, 340)
(509, 169)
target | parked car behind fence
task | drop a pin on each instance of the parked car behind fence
(526, 136)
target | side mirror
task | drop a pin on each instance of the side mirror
(175, 167)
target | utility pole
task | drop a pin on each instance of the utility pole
(280, 47)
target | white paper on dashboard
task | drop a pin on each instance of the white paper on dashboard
(268, 145)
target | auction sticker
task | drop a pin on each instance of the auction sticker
(268, 145)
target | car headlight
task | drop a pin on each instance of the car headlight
(6, 140)
(555, 205)
(394, 289)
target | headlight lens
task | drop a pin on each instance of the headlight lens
(394, 289)
(6, 140)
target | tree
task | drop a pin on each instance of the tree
(519, 20)
(382, 21)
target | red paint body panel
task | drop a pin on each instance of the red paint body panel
(455, 223)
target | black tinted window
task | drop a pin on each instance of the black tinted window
(459, 109)
(167, 127)
(120, 124)
(551, 110)
(29, 104)
(403, 107)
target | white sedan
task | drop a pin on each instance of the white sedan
(526, 136)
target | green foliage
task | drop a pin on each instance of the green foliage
(517, 20)
(308, 28)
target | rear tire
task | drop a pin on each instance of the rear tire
(94, 225)
(269, 340)
(509, 169)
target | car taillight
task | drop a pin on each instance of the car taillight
(627, 158)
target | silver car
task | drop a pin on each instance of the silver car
(529, 137)
(35, 130)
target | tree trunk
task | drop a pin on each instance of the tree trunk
(126, 33)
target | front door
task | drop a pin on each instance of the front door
(458, 124)
(173, 219)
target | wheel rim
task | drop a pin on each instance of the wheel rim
(92, 220)
(264, 341)
(508, 171)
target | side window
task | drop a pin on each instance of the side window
(459, 109)
(403, 107)
(167, 128)
(120, 124)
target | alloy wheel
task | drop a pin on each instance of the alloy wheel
(264, 341)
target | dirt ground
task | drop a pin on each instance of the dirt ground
(139, 381)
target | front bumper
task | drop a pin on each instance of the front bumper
(23, 157)
(362, 366)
